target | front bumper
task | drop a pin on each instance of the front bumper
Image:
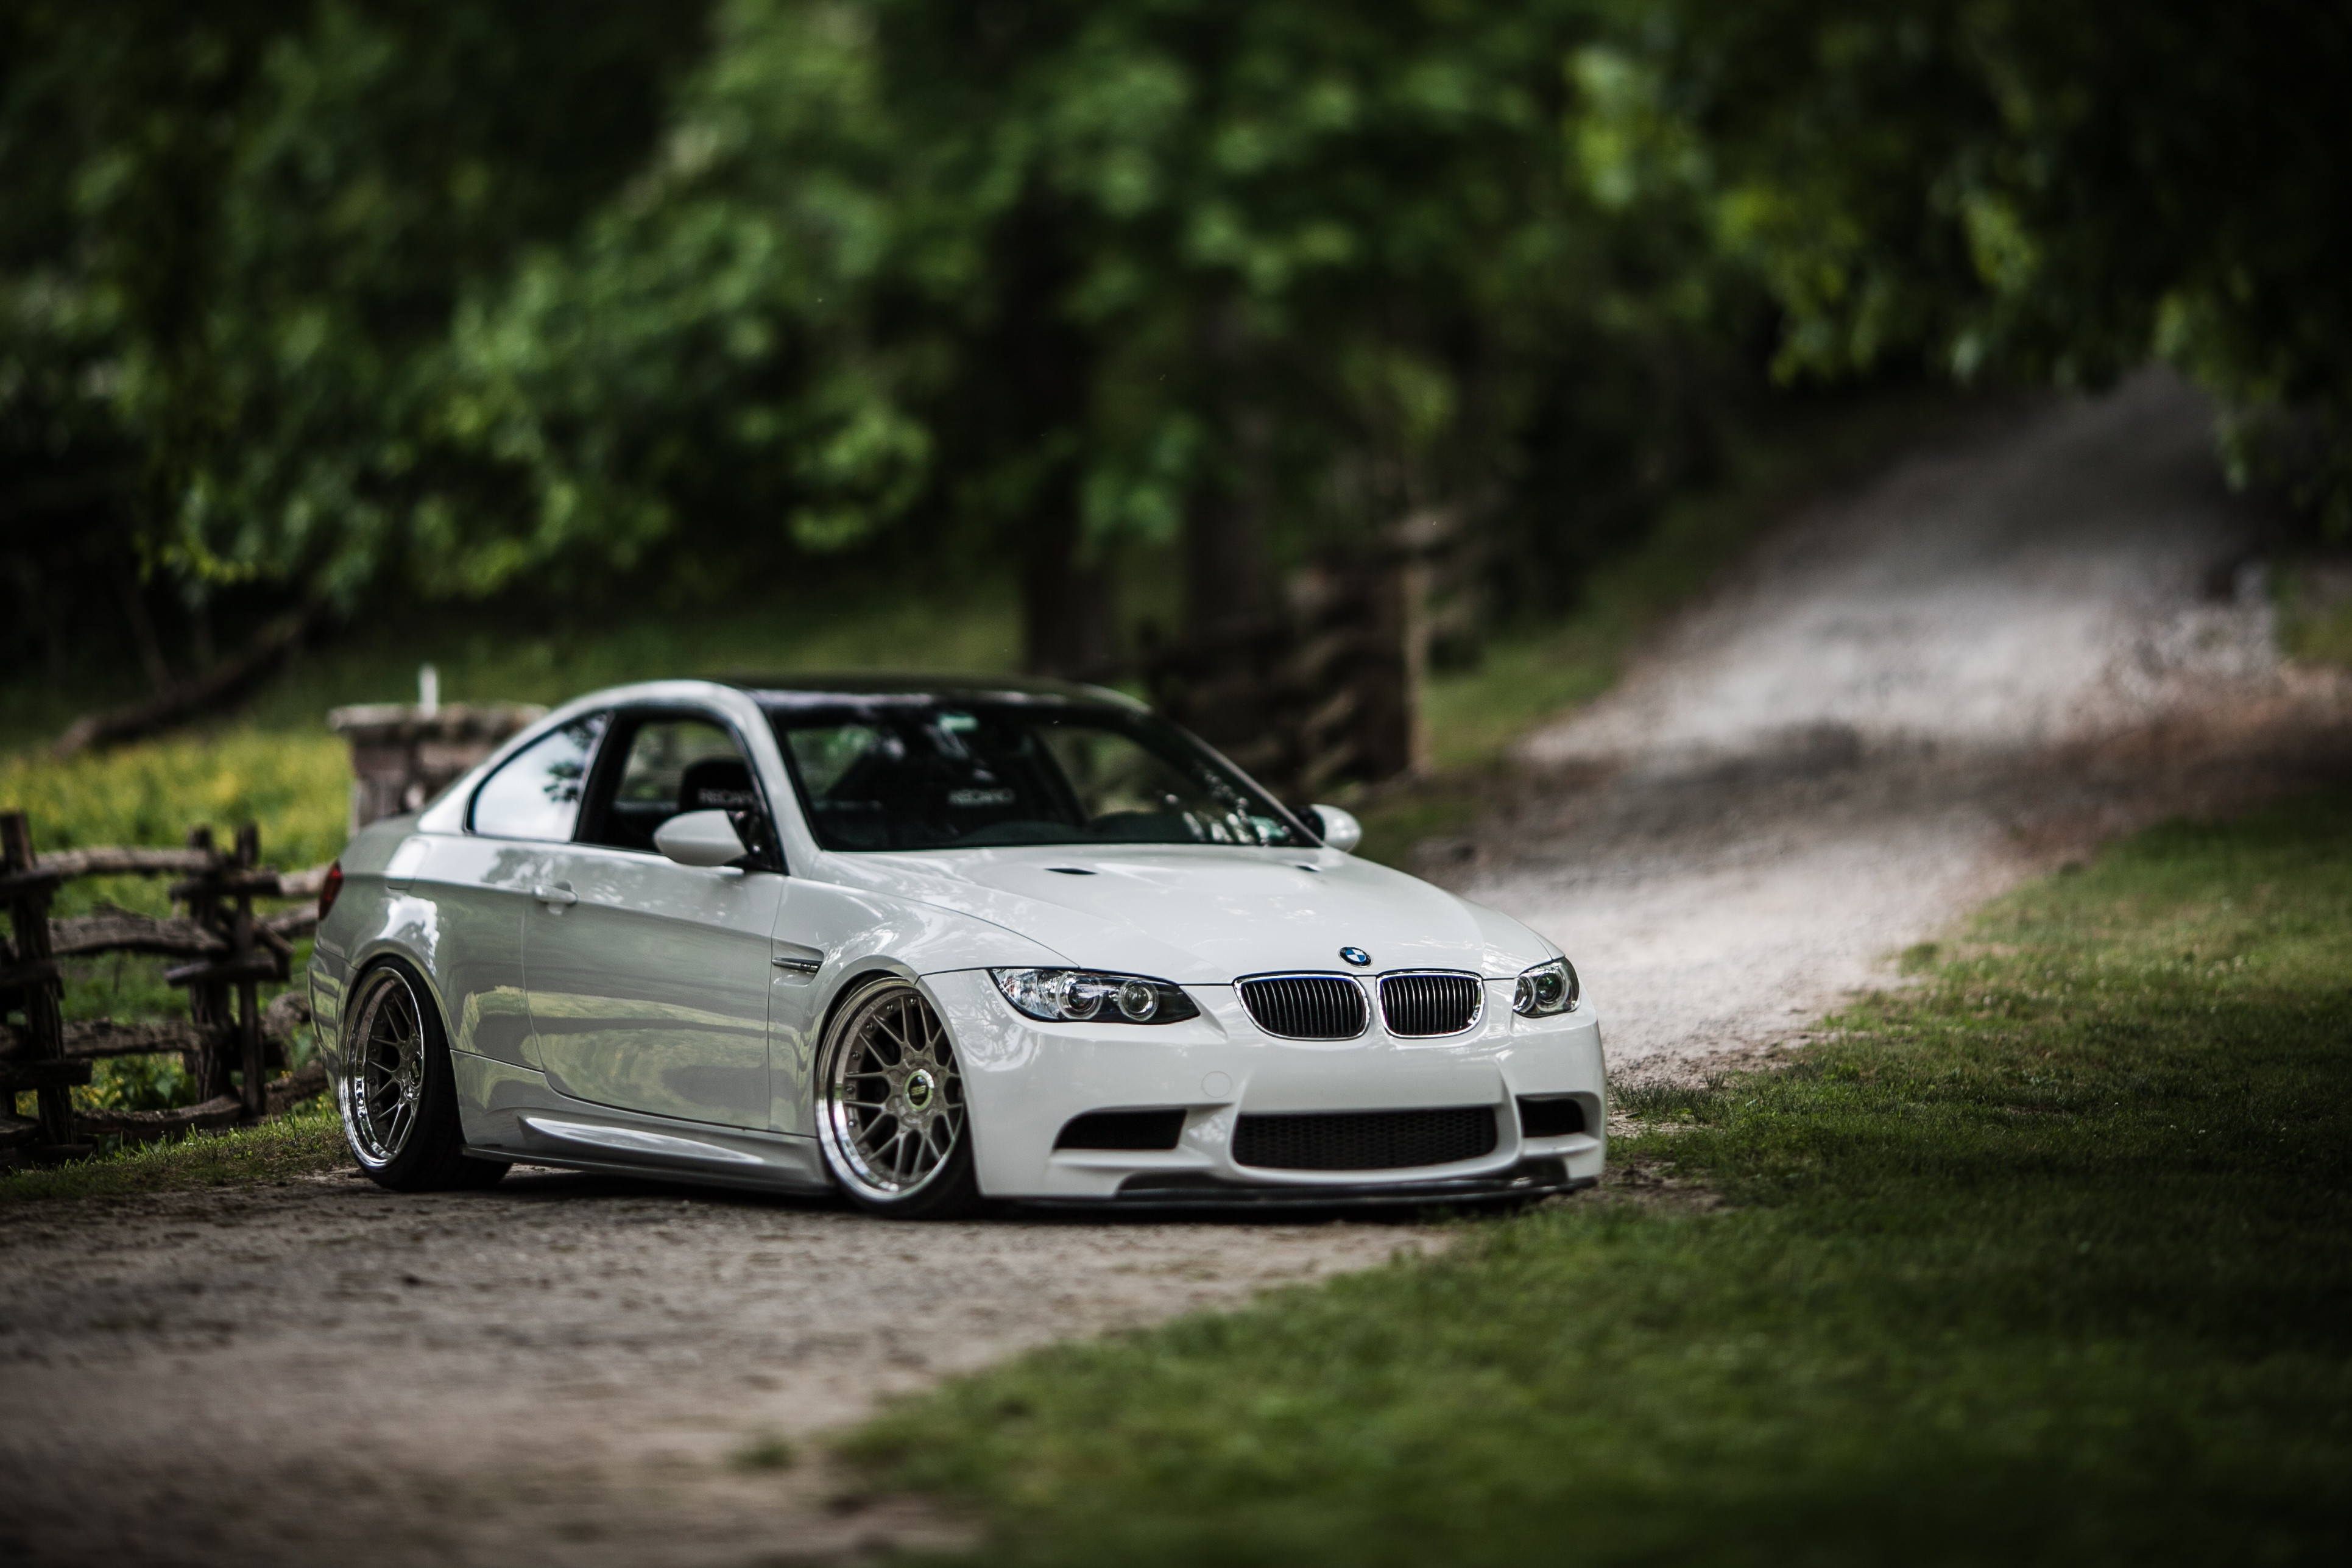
(1024, 1081)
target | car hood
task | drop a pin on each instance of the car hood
(1203, 915)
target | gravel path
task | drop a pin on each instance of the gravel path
(1992, 657)
(1998, 653)
(564, 1369)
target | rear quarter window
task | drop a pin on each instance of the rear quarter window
(536, 792)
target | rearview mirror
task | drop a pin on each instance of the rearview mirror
(1341, 831)
(700, 838)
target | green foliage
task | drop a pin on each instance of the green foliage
(2323, 636)
(297, 787)
(1050, 279)
(2042, 1260)
(306, 1142)
(767, 1452)
(136, 1083)
(233, 239)
(2056, 191)
(323, 299)
(2315, 613)
(370, 300)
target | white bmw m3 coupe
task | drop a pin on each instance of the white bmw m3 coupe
(928, 943)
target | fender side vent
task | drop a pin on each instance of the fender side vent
(1125, 1129)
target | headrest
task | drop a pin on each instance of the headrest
(717, 783)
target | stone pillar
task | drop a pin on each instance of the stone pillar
(402, 754)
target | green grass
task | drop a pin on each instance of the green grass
(2045, 1259)
(304, 1141)
(2315, 613)
(296, 786)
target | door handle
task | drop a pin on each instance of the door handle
(557, 896)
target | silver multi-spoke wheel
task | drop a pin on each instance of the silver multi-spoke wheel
(893, 1111)
(383, 1077)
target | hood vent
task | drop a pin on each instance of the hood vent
(1417, 1005)
(1307, 1007)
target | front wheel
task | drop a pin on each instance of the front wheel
(398, 1093)
(891, 1116)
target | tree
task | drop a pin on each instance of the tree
(1041, 279)
(2055, 191)
(302, 304)
(233, 239)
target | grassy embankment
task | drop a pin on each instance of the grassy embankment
(2315, 601)
(2046, 1259)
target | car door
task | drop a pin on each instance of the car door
(648, 980)
(477, 884)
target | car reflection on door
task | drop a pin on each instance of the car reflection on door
(649, 984)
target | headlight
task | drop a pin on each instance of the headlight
(1546, 989)
(1080, 995)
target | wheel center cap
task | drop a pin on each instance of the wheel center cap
(919, 1089)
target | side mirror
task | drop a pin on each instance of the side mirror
(1341, 831)
(700, 838)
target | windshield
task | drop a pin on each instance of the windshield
(920, 773)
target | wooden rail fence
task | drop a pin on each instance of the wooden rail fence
(228, 950)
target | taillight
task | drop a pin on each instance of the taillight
(328, 888)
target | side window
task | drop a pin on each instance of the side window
(536, 793)
(670, 765)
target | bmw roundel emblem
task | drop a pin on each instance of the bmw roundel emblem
(1355, 955)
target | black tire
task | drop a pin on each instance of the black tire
(398, 1091)
(891, 1119)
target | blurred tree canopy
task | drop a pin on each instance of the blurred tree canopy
(301, 302)
(1048, 277)
(459, 297)
(232, 240)
(2055, 191)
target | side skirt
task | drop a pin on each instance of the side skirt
(683, 1175)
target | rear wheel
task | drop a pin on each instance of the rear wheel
(398, 1091)
(891, 1116)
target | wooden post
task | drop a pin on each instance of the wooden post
(208, 1000)
(240, 949)
(28, 910)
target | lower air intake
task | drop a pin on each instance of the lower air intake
(1125, 1130)
(1307, 1007)
(1365, 1140)
(1551, 1115)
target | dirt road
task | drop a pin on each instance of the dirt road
(1996, 653)
(566, 1369)
(1999, 652)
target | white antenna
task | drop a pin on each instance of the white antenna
(429, 691)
